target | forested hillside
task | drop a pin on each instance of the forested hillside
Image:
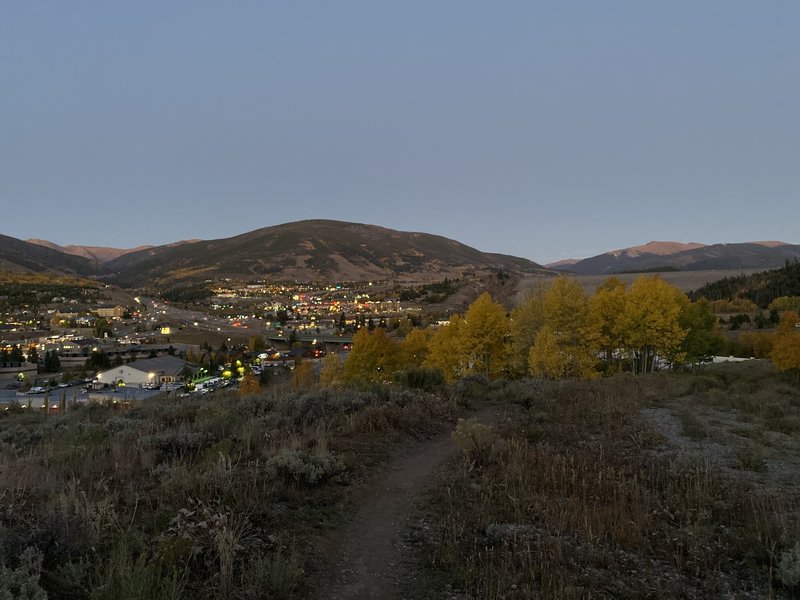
(762, 288)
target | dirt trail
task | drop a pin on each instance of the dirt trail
(369, 559)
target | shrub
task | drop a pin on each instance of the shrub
(211, 535)
(421, 378)
(299, 467)
(22, 583)
(128, 574)
(470, 388)
(789, 566)
(478, 441)
(18, 438)
(176, 444)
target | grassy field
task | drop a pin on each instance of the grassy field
(209, 497)
(671, 486)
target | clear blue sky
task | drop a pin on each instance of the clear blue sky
(541, 129)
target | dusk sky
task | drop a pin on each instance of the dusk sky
(541, 129)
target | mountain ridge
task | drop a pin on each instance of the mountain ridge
(99, 254)
(701, 257)
(311, 250)
(315, 250)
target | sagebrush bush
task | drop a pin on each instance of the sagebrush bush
(22, 582)
(178, 443)
(422, 378)
(300, 467)
(19, 438)
(789, 566)
(479, 442)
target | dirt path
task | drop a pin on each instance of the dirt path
(369, 559)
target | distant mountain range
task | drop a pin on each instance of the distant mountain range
(96, 254)
(677, 256)
(312, 250)
(324, 250)
(24, 257)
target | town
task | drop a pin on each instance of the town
(95, 342)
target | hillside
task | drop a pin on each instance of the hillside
(762, 288)
(656, 256)
(97, 254)
(18, 256)
(658, 248)
(312, 251)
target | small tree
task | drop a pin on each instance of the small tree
(249, 385)
(786, 350)
(330, 375)
(52, 363)
(374, 358)
(484, 336)
(303, 376)
(16, 355)
(703, 339)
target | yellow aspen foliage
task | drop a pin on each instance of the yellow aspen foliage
(544, 356)
(331, 373)
(786, 348)
(373, 359)
(414, 349)
(756, 344)
(303, 376)
(484, 337)
(606, 308)
(446, 350)
(651, 322)
(249, 385)
(566, 346)
(526, 321)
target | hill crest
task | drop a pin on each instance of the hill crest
(315, 250)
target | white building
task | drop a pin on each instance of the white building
(163, 369)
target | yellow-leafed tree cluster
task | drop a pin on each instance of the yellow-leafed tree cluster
(786, 348)
(557, 331)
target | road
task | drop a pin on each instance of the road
(160, 311)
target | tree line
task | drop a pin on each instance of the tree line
(760, 288)
(556, 331)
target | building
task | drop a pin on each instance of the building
(163, 369)
(107, 311)
(63, 319)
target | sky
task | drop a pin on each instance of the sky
(546, 130)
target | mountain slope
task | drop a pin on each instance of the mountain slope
(314, 250)
(23, 257)
(658, 248)
(97, 254)
(762, 288)
(702, 258)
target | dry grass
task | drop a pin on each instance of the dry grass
(588, 499)
(185, 498)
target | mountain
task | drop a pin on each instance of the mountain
(658, 248)
(654, 247)
(97, 254)
(566, 262)
(312, 251)
(23, 257)
(688, 257)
